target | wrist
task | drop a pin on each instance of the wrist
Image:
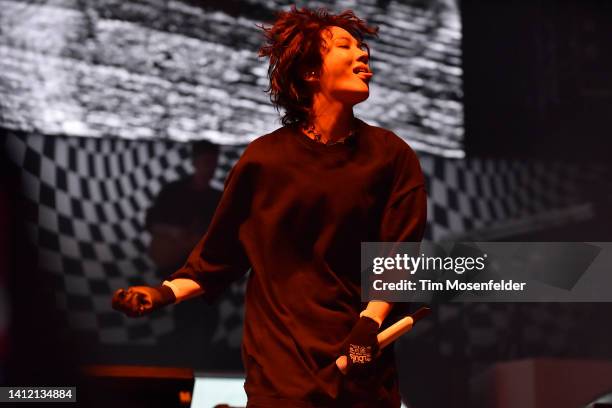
(167, 296)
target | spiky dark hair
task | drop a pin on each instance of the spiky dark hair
(294, 44)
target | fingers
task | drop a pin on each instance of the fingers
(341, 363)
(130, 302)
(118, 298)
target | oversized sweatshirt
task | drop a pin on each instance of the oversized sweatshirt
(295, 211)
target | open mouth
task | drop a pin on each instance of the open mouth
(363, 72)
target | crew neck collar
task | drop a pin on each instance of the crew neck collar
(333, 147)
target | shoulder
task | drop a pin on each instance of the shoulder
(388, 143)
(266, 146)
(261, 152)
(269, 140)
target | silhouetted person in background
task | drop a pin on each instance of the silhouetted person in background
(182, 211)
(177, 220)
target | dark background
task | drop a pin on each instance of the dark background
(537, 79)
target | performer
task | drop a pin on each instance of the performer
(296, 207)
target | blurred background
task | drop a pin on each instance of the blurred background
(113, 113)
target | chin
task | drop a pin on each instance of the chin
(353, 96)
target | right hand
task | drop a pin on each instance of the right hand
(361, 348)
(138, 301)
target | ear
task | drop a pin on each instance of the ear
(310, 76)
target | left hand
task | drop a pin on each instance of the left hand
(361, 347)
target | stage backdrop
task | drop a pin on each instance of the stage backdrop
(184, 70)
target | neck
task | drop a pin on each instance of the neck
(333, 120)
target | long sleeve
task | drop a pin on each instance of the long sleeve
(219, 258)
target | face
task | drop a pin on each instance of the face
(344, 74)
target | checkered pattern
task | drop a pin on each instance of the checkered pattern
(468, 195)
(91, 197)
(489, 332)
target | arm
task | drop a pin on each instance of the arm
(216, 261)
(403, 220)
(377, 310)
(405, 215)
(219, 257)
(138, 301)
(184, 289)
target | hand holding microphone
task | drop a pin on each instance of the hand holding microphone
(361, 347)
(361, 359)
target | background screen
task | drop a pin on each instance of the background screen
(185, 70)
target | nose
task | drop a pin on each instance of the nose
(364, 57)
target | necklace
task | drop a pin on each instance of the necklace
(312, 132)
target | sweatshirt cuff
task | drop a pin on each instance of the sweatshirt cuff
(367, 313)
